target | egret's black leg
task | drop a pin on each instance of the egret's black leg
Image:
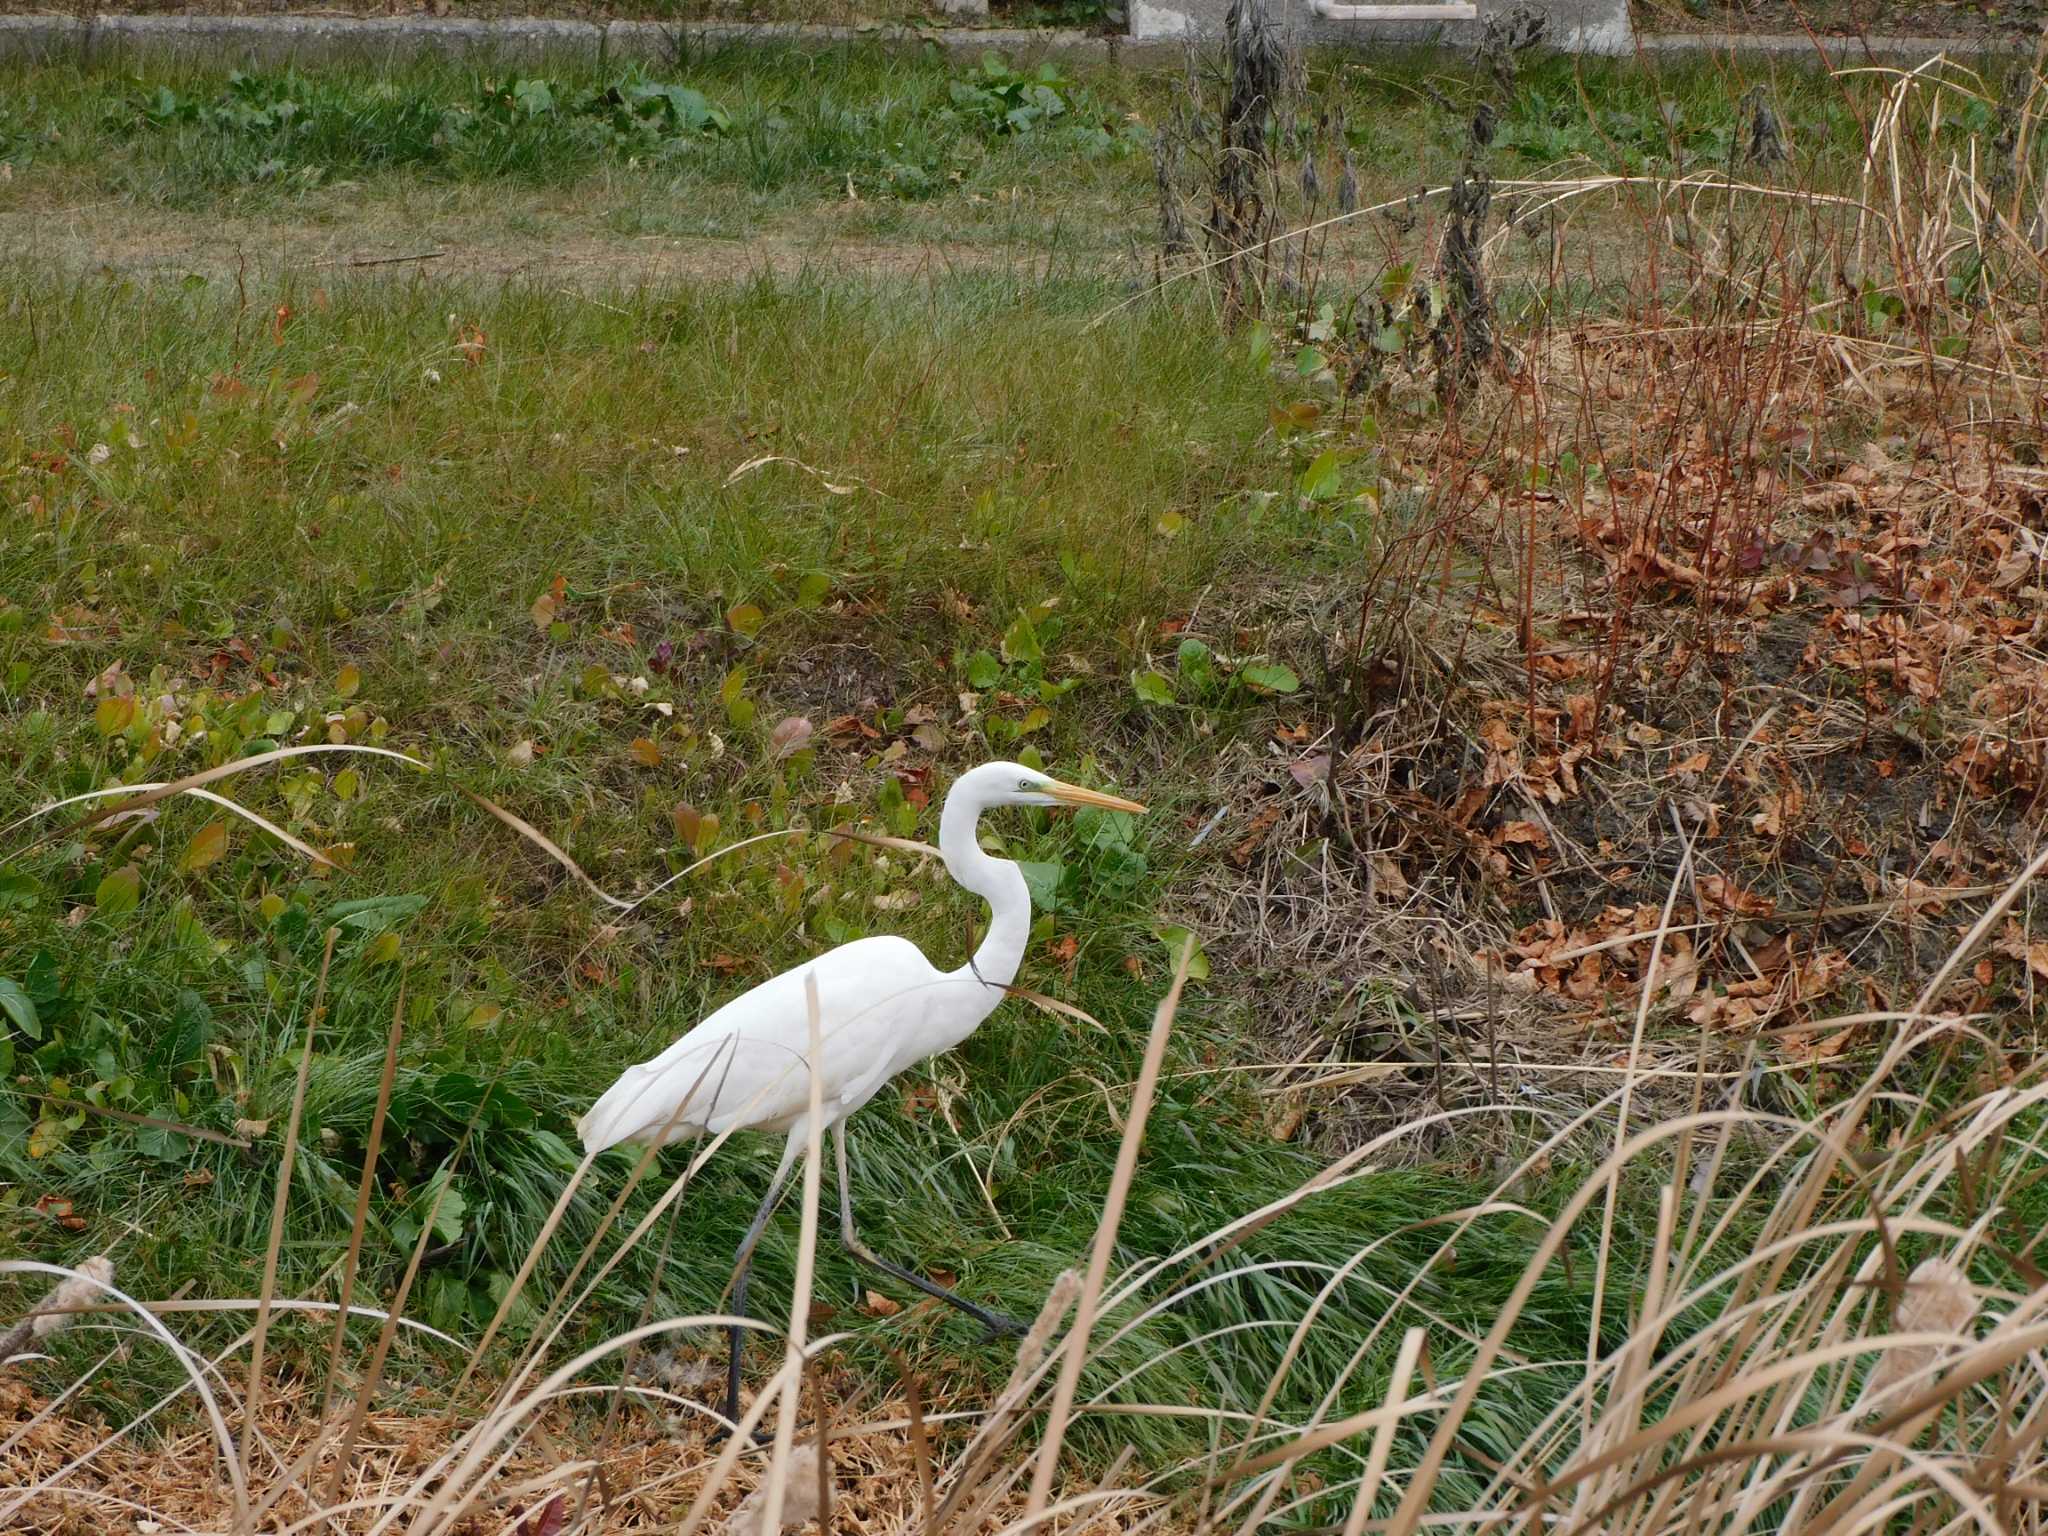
(743, 1266)
(994, 1322)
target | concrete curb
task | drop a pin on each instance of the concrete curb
(273, 40)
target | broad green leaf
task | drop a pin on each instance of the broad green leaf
(983, 670)
(1043, 880)
(1152, 687)
(1269, 677)
(347, 783)
(348, 680)
(1020, 641)
(371, 913)
(19, 1007)
(813, 589)
(208, 844)
(739, 709)
(119, 892)
(1324, 477)
(1177, 940)
(449, 1214)
(114, 714)
(745, 619)
(553, 1148)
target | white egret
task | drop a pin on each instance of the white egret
(883, 1008)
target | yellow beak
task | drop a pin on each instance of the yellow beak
(1073, 794)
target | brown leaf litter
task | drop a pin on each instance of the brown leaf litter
(643, 1473)
(1800, 691)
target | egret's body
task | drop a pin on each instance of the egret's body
(883, 1007)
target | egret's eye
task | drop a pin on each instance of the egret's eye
(1026, 786)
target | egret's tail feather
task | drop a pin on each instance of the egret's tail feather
(632, 1109)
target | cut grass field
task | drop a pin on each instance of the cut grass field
(662, 566)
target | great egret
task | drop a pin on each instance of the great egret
(883, 1007)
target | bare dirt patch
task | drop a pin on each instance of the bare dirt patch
(158, 243)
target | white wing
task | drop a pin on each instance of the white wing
(746, 1066)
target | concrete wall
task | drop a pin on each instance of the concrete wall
(1580, 26)
(271, 41)
(1156, 27)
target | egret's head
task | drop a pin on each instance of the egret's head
(1014, 784)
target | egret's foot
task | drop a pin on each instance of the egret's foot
(994, 1325)
(757, 1438)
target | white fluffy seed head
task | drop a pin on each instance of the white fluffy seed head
(1937, 1298)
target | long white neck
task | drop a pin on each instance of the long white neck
(997, 882)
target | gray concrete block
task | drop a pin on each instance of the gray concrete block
(1577, 26)
(275, 40)
(270, 41)
(659, 40)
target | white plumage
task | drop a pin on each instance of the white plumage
(883, 1007)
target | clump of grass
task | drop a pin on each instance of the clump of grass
(1754, 1368)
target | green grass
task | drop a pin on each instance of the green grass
(760, 124)
(377, 540)
(795, 126)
